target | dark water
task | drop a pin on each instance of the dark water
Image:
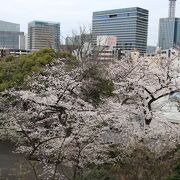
(16, 167)
(13, 166)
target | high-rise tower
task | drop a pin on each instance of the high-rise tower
(169, 29)
(172, 7)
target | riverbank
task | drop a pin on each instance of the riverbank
(13, 166)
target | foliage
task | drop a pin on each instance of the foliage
(13, 70)
(97, 173)
(66, 55)
(176, 175)
(70, 60)
(141, 83)
(138, 163)
(62, 120)
(97, 85)
(176, 171)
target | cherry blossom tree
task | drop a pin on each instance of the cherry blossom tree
(54, 121)
(58, 120)
(141, 83)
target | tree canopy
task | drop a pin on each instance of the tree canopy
(13, 70)
(91, 114)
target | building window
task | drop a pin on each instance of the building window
(113, 16)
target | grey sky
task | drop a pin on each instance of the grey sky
(73, 13)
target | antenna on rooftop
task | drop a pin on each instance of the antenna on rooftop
(172, 7)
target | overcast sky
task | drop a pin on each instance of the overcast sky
(73, 13)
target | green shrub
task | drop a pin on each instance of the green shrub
(176, 174)
(70, 60)
(9, 58)
(96, 174)
(176, 171)
(64, 54)
(14, 69)
(140, 164)
(71, 63)
(96, 86)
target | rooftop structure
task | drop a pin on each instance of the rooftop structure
(172, 8)
(169, 29)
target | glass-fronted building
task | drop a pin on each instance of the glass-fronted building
(43, 35)
(9, 35)
(169, 33)
(177, 32)
(129, 26)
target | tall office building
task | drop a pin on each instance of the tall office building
(9, 35)
(43, 35)
(129, 26)
(169, 29)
